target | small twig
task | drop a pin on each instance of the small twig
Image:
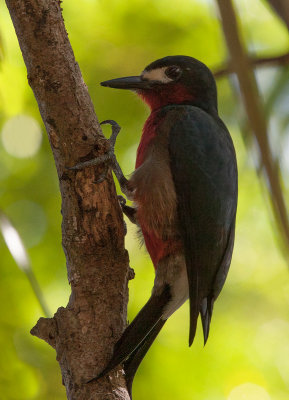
(281, 7)
(249, 91)
(282, 59)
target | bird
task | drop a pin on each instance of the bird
(184, 190)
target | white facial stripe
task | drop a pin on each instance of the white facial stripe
(157, 74)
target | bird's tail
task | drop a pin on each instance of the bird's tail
(138, 337)
(133, 362)
(206, 311)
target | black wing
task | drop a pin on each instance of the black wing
(204, 170)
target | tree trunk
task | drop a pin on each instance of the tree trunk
(83, 333)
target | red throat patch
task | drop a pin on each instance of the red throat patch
(168, 94)
(148, 134)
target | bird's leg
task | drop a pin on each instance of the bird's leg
(109, 159)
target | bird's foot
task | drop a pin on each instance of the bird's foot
(122, 202)
(108, 159)
(130, 212)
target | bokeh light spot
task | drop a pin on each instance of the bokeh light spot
(29, 219)
(21, 136)
(249, 391)
(14, 242)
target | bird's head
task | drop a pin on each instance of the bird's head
(172, 80)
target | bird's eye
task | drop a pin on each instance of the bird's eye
(173, 72)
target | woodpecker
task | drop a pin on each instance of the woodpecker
(184, 190)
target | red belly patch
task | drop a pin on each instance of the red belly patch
(158, 248)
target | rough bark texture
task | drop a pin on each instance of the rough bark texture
(83, 333)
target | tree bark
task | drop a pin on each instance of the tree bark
(83, 333)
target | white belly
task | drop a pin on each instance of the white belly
(172, 271)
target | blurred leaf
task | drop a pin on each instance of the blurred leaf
(1, 49)
(282, 9)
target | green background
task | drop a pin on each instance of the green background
(247, 355)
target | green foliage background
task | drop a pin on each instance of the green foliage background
(247, 355)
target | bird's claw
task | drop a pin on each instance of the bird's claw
(107, 158)
(122, 203)
(122, 200)
(102, 177)
(115, 129)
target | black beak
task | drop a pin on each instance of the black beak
(130, 82)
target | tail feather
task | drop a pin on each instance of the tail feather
(136, 333)
(133, 362)
(194, 309)
(206, 311)
(193, 324)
